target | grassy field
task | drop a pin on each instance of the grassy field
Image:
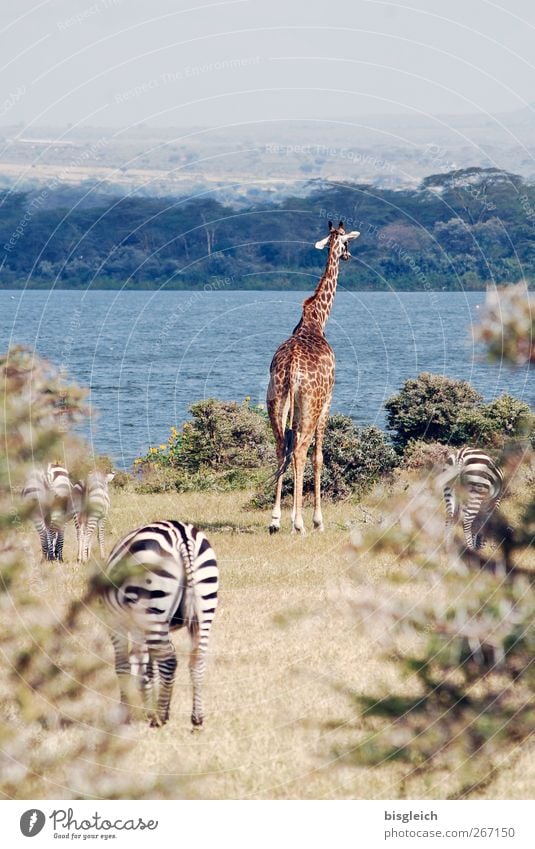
(286, 659)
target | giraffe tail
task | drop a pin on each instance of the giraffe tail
(288, 451)
(289, 439)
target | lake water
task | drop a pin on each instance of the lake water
(146, 356)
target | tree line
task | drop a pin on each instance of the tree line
(455, 231)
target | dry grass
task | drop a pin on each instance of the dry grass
(285, 660)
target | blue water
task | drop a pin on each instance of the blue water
(146, 356)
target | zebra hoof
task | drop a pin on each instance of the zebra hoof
(196, 724)
(273, 529)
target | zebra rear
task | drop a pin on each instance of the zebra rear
(473, 488)
(163, 576)
(92, 505)
(49, 491)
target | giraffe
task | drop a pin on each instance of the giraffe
(301, 384)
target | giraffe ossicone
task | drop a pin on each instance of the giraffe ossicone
(301, 384)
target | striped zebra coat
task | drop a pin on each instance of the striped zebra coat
(48, 491)
(161, 577)
(91, 501)
(473, 485)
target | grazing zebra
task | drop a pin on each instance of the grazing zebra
(473, 486)
(91, 507)
(49, 491)
(162, 576)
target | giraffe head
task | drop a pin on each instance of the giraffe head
(338, 241)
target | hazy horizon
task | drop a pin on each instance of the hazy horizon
(107, 63)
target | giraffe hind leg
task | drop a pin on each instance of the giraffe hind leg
(276, 416)
(318, 465)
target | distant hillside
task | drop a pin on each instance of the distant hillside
(457, 230)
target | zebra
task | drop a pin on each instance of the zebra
(91, 507)
(473, 485)
(49, 492)
(161, 577)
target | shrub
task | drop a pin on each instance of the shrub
(424, 455)
(353, 460)
(460, 628)
(223, 435)
(492, 424)
(434, 408)
(221, 448)
(458, 625)
(428, 407)
(58, 729)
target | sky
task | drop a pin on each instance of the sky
(185, 63)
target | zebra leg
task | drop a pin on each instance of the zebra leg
(142, 670)
(197, 665)
(100, 530)
(146, 684)
(89, 531)
(42, 530)
(451, 508)
(80, 537)
(165, 656)
(480, 536)
(57, 534)
(52, 536)
(468, 521)
(59, 544)
(123, 670)
(470, 513)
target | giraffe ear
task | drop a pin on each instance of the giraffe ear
(322, 243)
(349, 236)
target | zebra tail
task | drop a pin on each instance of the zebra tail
(192, 602)
(192, 610)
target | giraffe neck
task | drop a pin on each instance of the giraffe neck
(316, 309)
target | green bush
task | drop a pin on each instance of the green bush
(420, 455)
(60, 731)
(353, 460)
(492, 424)
(434, 408)
(221, 448)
